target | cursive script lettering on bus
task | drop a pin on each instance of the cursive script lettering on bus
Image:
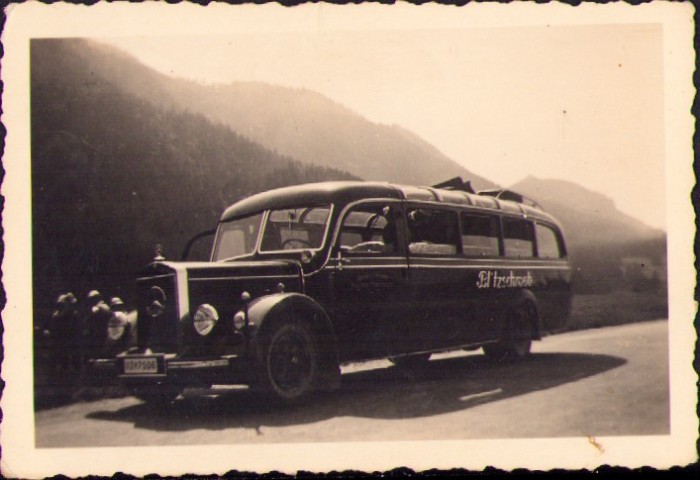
(492, 279)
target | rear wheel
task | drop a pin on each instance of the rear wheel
(289, 363)
(517, 340)
(411, 362)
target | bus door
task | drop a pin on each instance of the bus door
(481, 250)
(441, 282)
(369, 275)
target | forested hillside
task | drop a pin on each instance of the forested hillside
(114, 174)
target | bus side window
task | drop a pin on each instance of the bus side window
(547, 243)
(369, 229)
(479, 235)
(432, 231)
(518, 238)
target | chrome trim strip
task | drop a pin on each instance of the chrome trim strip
(464, 267)
(496, 267)
(259, 277)
(503, 260)
(350, 266)
(446, 349)
(195, 364)
(377, 258)
(216, 238)
(221, 264)
(182, 290)
(142, 279)
(102, 361)
(258, 241)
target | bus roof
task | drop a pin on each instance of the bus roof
(344, 192)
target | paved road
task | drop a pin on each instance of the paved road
(609, 381)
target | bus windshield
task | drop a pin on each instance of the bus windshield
(285, 229)
(295, 228)
(237, 238)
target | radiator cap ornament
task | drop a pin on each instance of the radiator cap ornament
(159, 253)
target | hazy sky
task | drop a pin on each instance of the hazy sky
(581, 103)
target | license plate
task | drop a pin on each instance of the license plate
(140, 365)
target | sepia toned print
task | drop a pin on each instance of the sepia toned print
(361, 239)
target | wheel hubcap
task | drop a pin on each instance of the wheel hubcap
(290, 362)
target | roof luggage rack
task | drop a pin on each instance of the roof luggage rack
(456, 183)
(505, 194)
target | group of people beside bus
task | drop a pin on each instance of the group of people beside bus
(75, 331)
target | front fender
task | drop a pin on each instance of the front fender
(264, 312)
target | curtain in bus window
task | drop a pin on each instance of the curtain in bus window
(479, 235)
(547, 244)
(517, 238)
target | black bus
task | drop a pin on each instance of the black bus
(303, 279)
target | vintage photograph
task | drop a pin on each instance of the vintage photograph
(326, 232)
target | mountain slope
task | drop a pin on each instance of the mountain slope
(295, 122)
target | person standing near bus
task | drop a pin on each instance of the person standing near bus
(62, 330)
(97, 316)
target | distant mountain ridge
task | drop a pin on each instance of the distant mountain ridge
(587, 216)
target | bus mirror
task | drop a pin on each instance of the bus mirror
(192, 241)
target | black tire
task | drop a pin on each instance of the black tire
(517, 339)
(157, 395)
(288, 366)
(411, 362)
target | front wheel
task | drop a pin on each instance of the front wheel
(517, 340)
(288, 363)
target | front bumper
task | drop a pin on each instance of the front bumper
(230, 369)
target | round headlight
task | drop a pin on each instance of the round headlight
(205, 318)
(116, 326)
(239, 320)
